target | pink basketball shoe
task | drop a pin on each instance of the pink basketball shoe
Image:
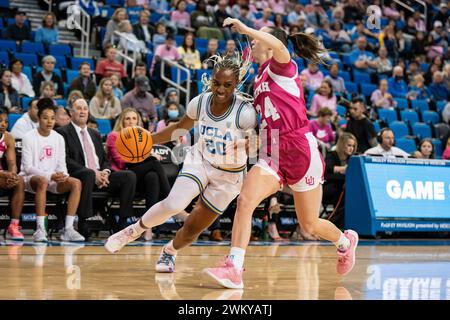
(226, 274)
(346, 259)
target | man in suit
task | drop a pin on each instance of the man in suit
(143, 29)
(86, 160)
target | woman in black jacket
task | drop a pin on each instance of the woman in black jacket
(9, 97)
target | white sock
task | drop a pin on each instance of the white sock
(237, 256)
(170, 249)
(40, 222)
(69, 222)
(15, 221)
(343, 243)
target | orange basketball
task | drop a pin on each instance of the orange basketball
(134, 144)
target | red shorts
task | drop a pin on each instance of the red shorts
(299, 162)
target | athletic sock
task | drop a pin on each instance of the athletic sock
(343, 243)
(237, 256)
(69, 222)
(169, 249)
(40, 222)
(138, 228)
(15, 222)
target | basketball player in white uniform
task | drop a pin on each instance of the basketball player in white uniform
(213, 168)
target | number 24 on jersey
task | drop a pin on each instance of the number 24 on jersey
(269, 112)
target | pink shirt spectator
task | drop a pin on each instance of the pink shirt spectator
(278, 6)
(181, 19)
(319, 101)
(313, 80)
(117, 164)
(324, 134)
(386, 103)
(260, 23)
(420, 25)
(162, 51)
(446, 154)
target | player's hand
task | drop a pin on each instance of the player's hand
(236, 25)
(58, 177)
(12, 179)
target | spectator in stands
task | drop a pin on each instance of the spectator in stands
(86, 160)
(419, 90)
(44, 169)
(160, 6)
(140, 69)
(85, 82)
(446, 154)
(74, 95)
(385, 146)
(230, 51)
(337, 83)
(113, 25)
(166, 51)
(339, 37)
(425, 150)
(143, 30)
(382, 64)
(160, 36)
(48, 33)
(435, 65)
(9, 180)
(213, 46)
(128, 40)
(142, 100)
(245, 16)
(278, 22)
(27, 122)
(446, 113)
(362, 59)
(359, 125)
(438, 88)
(278, 6)
(181, 18)
(397, 86)
(295, 15)
(172, 110)
(204, 22)
(321, 127)
(353, 11)
(237, 7)
(19, 30)
(264, 20)
(9, 97)
(109, 66)
(171, 95)
(313, 75)
(316, 17)
(48, 90)
(104, 105)
(223, 12)
(418, 46)
(391, 11)
(447, 75)
(324, 98)
(117, 86)
(19, 80)
(62, 117)
(189, 55)
(437, 40)
(419, 22)
(92, 123)
(413, 70)
(443, 13)
(48, 74)
(381, 98)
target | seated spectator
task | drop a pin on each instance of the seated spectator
(143, 30)
(117, 86)
(382, 64)
(48, 33)
(438, 88)
(425, 150)
(385, 146)
(44, 169)
(171, 95)
(86, 160)
(159, 37)
(340, 37)
(447, 75)
(213, 46)
(353, 11)
(413, 70)
(140, 69)
(397, 86)
(223, 12)
(19, 30)
(74, 95)
(128, 40)
(204, 22)
(362, 59)
(245, 16)
(109, 65)
(28, 122)
(171, 110)
(446, 113)
(436, 65)
(166, 51)
(315, 17)
(19, 80)
(9, 180)
(85, 82)
(62, 117)
(335, 168)
(230, 51)
(443, 13)
(237, 7)
(381, 98)
(264, 20)
(419, 91)
(437, 40)
(48, 90)
(160, 6)
(104, 105)
(391, 11)
(48, 74)
(9, 97)
(278, 22)
(419, 22)
(293, 16)
(278, 6)
(324, 98)
(321, 127)
(418, 46)
(337, 83)
(305, 89)
(141, 100)
(189, 55)
(314, 76)
(446, 154)
(181, 18)
(113, 25)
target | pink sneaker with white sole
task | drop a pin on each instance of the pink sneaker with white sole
(346, 259)
(226, 274)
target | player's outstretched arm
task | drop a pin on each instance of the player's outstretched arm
(173, 132)
(280, 52)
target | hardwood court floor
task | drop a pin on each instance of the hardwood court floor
(384, 270)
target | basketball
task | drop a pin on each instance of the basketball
(134, 144)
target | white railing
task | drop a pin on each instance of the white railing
(177, 84)
(49, 2)
(81, 20)
(127, 43)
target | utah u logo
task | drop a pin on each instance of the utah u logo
(309, 180)
(48, 151)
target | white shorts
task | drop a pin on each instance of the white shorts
(218, 187)
(52, 185)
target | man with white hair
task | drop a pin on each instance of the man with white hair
(438, 88)
(397, 86)
(47, 74)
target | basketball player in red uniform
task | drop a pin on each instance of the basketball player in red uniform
(290, 151)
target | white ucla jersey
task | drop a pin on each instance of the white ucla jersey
(216, 132)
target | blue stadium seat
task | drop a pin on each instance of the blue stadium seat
(334, 55)
(104, 126)
(76, 61)
(179, 40)
(351, 87)
(70, 75)
(4, 4)
(61, 102)
(222, 45)
(376, 126)
(399, 128)
(360, 77)
(117, 3)
(199, 86)
(424, 66)
(4, 58)
(407, 145)
(422, 130)
(149, 60)
(440, 105)
(342, 121)
(401, 103)
(387, 115)
(27, 71)
(33, 47)
(60, 61)
(25, 101)
(437, 148)
(300, 63)
(60, 50)
(12, 118)
(367, 89)
(201, 43)
(28, 59)
(409, 115)
(174, 75)
(420, 105)
(430, 117)
(201, 72)
(8, 45)
(341, 110)
(345, 75)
